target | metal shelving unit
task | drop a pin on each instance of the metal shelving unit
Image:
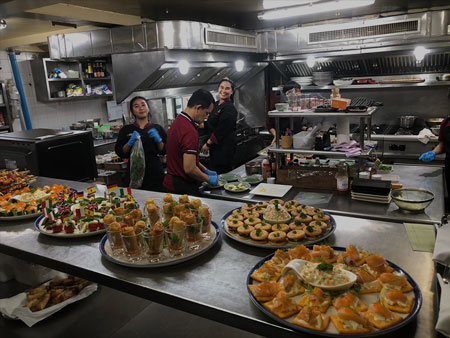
(5, 109)
(365, 118)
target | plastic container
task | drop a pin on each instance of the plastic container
(304, 140)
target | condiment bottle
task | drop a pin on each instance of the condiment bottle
(342, 178)
(265, 168)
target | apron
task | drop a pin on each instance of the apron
(221, 155)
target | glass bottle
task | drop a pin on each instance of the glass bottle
(342, 178)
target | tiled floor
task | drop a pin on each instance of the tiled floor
(112, 314)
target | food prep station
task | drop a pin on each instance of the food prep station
(213, 285)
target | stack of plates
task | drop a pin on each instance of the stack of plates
(303, 81)
(371, 198)
(371, 190)
(343, 82)
(322, 78)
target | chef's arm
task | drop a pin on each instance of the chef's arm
(274, 134)
(126, 148)
(191, 169)
(439, 149)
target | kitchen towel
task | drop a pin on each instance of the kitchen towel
(421, 236)
(425, 135)
(443, 322)
(442, 246)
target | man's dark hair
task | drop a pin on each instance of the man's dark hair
(290, 85)
(201, 97)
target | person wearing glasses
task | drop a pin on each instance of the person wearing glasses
(184, 170)
(153, 138)
(221, 128)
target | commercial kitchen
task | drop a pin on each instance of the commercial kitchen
(339, 167)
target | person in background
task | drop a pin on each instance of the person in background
(442, 147)
(153, 138)
(221, 128)
(184, 170)
(285, 123)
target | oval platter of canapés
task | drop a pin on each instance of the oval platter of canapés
(277, 224)
(27, 202)
(83, 216)
(167, 232)
(381, 299)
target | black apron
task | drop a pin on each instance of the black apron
(221, 155)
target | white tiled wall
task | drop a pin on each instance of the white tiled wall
(52, 114)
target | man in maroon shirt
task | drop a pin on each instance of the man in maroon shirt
(184, 169)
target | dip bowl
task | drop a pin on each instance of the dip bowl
(297, 266)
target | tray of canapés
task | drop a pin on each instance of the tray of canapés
(167, 232)
(83, 216)
(27, 202)
(277, 224)
(334, 291)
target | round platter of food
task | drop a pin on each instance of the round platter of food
(167, 232)
(277, 224)
(319, 297)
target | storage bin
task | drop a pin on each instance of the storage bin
(304, 140)
(323, 178)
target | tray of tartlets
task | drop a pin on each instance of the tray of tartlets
(304, 289)
(167, 232)
(277, 224)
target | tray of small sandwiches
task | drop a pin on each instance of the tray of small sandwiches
(334, 291)
(277, 224)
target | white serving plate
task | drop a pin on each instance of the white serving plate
(273, 190)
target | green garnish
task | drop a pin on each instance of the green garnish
(302, 215)
(235, 222)
(294, 232)
(258, 232)
(318, 222)
(251, 219)
(297, 222)
(310, 228)
(325, 267)
(277, 234)
(245, 226)
(278, 226)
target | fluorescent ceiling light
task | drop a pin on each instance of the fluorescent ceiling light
(239, 65)
(269, 4)
(316, 8)
(3, 24)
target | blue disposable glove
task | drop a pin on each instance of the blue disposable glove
(210, 172)
(213, 180)
(427, 157)
(153, 133)
(133, 138)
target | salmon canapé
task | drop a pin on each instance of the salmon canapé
(311, 318)
(282, 306)
(377, 264)
(266, 291)
(291, 284)
(396, 300)
(352, 257)
(323, 253)
(300, 252)
(349, 321)
(349, 300)
(317, 298)
(391, 281)
(381, 317)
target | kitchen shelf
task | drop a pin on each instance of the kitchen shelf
(378, 86)
(97, 79)
(310, 112)
(4, 127)
(340, 154)
(66, 79)
(79, 97)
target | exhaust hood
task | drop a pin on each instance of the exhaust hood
(145, 57)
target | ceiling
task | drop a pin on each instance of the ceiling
(30, 21)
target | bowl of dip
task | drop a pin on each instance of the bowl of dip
(276, 214)
(322, 275)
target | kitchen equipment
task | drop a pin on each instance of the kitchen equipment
(91, 123)
(435, 130)
(253, 167)
(412, 200)
(407, 121)
(78, 126)
(281, 106)
(51, 153)
(322, 78)
(434, 121)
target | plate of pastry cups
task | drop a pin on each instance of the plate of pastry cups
(274, 241)
(149, 257)
(294, 322)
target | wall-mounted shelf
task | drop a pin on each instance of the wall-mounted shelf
(378, 86)
(47, 88)
(310, 112)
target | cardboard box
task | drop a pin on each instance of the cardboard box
(340, 103)
(308, 177)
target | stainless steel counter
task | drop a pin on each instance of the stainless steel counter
(411, 176)
(214, 284)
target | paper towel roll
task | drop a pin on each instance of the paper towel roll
(343, 129)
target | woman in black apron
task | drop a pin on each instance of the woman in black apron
(221, 128)
(442, 147)
(153, 138)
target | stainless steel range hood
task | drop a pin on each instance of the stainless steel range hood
(363, 47)
(145, 57)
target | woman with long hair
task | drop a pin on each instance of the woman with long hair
(153, 138)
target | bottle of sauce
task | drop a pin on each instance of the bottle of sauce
(265, 168)
(342, 178)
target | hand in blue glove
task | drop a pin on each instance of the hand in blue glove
(133, 138)
(210, 172)
(153, 133)
(213, 180)
(427, 157)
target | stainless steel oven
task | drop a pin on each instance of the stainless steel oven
(51, 153)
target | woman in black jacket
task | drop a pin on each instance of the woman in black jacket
(221, 127)
(153, 138)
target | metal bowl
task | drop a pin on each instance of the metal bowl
(412, 200)
(252, 168)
